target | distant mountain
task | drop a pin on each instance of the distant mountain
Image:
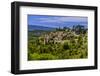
(35, 27)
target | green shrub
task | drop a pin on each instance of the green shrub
(66, 46)
(44, 56)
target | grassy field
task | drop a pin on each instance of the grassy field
(63, 43)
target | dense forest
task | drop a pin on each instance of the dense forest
(61, 43)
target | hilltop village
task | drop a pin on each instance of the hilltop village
(62, 43)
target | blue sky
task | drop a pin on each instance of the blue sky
(56, 21)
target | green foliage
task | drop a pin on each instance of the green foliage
(60, 44)
(44, 56)
(66, 46)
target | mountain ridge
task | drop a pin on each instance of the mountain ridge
(35, 27)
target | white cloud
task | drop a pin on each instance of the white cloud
(63, 19)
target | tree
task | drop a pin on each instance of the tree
(66, 28)
(66, 45)
(79, 29)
